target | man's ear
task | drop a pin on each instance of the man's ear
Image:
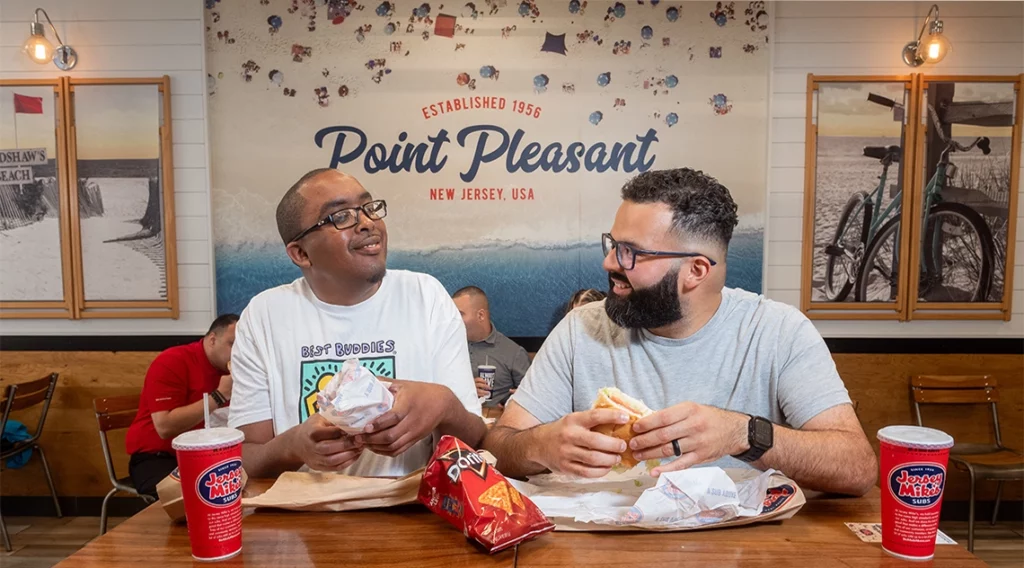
(694, 273)
(298, 255)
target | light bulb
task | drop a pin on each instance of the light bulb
(39, 49)
(936, 48)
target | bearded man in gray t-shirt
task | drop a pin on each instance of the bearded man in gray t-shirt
(735, 380)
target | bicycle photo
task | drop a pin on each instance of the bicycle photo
(962, 237)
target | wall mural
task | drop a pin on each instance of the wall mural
(500, 133)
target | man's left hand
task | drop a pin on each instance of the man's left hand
(418, 410)
(704, 434)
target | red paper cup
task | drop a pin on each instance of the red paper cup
(210, 466)
(913, 475)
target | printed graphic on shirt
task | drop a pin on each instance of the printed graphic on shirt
(314, 376)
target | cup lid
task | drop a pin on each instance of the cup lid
(207, 439)
(916, 437)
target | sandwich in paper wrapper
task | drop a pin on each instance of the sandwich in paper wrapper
(628, 498)
(690, 499)
(354, 397)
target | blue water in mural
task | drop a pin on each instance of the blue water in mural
(528, 287)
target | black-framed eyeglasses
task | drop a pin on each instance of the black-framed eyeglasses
(349, 217)
(626, 254)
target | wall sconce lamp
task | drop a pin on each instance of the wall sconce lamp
(931, 49)
(40, 50)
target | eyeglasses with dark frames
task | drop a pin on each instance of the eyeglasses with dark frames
(349, 217)
(626, 254)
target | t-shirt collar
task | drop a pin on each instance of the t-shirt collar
(707, 329)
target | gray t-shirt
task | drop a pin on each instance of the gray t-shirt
(754, 356)
(509, 359)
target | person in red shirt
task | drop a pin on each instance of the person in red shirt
(172, 400)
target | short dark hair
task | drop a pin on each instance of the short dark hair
(222, 323)
(472, 291)
(289, 210)
(701, 207)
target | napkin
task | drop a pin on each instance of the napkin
(353, 398)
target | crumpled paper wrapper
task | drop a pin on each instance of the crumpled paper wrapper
(694, 498)
(354, 397)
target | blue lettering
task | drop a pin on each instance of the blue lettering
(390, 346)
(479, 157)
(376, 159)
(339, 157)
(553, 163)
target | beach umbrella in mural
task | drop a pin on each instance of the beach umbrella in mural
(553, 43)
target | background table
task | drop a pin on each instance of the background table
(412, 536)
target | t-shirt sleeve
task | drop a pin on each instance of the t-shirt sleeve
(166, 386)
(808, 381)
(546, 390)
(250, 390)
(451, 360)
(520, 365)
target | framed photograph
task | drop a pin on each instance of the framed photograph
(855, 201)
(35, 241)
(968, 165)
(122, 197)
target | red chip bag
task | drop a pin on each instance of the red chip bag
(470, 494)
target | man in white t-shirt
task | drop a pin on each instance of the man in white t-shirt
(292, 339)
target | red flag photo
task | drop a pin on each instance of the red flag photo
(28, 105)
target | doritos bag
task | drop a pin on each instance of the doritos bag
(462, 488)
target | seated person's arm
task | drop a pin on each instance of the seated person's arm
(538, 430)
(170, 423)
(826, 451)
(525, 447)
(449, 406)
(316, 442)
(520, 365)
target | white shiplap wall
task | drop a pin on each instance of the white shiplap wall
(136, 38)
(866, 38)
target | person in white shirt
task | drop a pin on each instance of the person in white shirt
(292, 339)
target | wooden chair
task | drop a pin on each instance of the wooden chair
(985, 461)
(116, 413)
(20, 397)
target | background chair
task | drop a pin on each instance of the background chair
(116, 413)
(20, 397)
(985, 461)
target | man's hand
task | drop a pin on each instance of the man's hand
(325, 447)
(704, 434)
(482, 390)
(224, 387)
(418, 410)
(569, 446)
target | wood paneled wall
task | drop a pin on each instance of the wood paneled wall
(877, 382)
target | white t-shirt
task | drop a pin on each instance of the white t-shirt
(288, 345)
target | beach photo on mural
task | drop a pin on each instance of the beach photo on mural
(858, 190)
(30, 229)
(119, 189)
(499, 132)
(968, 153)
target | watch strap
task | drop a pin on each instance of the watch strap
(755, 451)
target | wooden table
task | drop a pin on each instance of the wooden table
(411, 536)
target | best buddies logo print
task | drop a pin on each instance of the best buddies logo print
(917, 485)
(221, 484)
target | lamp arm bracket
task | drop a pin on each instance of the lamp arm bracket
(924, 26)
(47, 16)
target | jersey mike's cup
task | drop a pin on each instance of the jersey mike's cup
(486, 372)
(210, 467)
(913, 475)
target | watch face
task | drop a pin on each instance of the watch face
(763, 433)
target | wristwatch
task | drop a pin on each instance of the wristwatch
(760, 436)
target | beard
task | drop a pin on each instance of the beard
(645, 308)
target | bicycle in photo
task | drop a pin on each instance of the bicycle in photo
(957, 248)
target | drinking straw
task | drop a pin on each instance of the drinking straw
(206, 410)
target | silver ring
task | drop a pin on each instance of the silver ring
(675, 448)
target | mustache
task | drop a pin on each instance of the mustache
(619, 278)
